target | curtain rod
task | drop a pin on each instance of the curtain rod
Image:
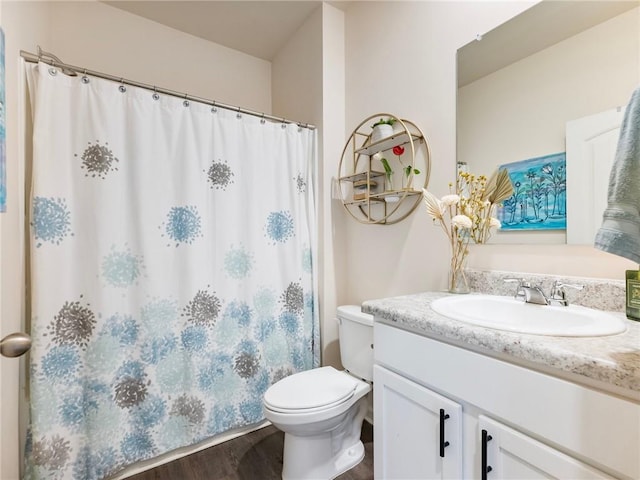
(54, 61)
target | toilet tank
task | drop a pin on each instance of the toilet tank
(355, 331)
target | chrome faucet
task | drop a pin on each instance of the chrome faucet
(535, 294)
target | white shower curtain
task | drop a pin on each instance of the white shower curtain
(173, 257)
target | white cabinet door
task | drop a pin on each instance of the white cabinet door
(418, 432)
(510, 454)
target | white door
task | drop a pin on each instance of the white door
(513, 455)
(418, 433)
(591, 146)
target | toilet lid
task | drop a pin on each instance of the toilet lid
(320, 387)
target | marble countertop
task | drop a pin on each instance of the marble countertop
(609, 360)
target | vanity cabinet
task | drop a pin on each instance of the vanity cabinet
(418, 432)
(508, 453)
(507, 421)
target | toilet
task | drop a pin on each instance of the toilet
(321, 411)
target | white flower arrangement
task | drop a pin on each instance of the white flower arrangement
(456, 227)
(467, 215)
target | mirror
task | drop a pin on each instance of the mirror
(521, 84)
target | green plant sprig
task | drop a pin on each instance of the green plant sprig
(386, 166)
(408, 169)
(382, 121)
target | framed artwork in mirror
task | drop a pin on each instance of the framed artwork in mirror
(539, 200)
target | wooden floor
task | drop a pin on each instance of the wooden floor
(255, 456)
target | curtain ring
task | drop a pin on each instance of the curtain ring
(262, 120)
(53, 71)
(155, 95)
(85, 79)
(214, 109)
(238, 115)
(186, 101)
(122, 88)
(284, 124)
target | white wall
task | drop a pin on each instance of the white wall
(565, 260)
(521, 110)
(401, 59)
(296, 73)
(113, 41)
(333, 254)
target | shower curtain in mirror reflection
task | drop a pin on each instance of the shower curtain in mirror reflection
(173, 257)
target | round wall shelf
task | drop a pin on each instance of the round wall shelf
(383, 170)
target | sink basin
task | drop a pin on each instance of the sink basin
(507, 313)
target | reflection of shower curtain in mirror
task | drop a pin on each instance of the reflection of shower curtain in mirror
(172, 252)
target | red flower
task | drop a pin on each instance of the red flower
(398, 150)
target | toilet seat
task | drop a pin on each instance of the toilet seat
(310, 391)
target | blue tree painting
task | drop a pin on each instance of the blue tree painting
(539, 200)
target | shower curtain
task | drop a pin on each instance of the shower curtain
(172, 258)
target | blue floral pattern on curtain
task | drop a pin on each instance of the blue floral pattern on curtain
(173, 256)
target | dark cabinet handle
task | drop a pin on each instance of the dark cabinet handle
(485, 468)
(443, 444)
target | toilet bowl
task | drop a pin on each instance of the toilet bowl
(321, 411)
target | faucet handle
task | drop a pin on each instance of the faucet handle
(521, 283)
(559, 294)
(558, 287)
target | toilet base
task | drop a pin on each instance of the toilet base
(346, 460)
(350, 458)
(326, 455)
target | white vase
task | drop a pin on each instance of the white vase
(397, 127)
(381, 131)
